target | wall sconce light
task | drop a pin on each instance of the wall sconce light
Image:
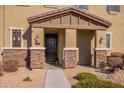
(37, 40)
(101, 39)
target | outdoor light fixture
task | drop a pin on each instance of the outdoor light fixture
(101, 39)
(37, 40)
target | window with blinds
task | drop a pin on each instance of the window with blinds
(85, 7)
(115, 8)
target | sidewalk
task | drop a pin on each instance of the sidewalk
(56, 78)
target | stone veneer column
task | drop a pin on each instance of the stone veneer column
(70, 52)
(37, 58)
(100, 56)
(70, 57)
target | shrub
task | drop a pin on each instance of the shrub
(10, 66)
(88, 80)
(96, 83)
(27, 79)
(83, 76)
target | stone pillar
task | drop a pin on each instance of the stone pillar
(37, 50)
(100, 50)
(70, 52)
(37, 58)
(101, 56)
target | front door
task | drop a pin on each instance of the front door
(51, 48)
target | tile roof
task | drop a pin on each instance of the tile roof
(61, 11)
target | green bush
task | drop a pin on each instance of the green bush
(84, 75)
(96, 84)
(88, 80)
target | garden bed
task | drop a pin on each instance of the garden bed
(88, 80)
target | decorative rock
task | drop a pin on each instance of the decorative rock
(115, 62)
(117, 54)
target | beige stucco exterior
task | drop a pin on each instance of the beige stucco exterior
(86, 45)
(83, 36)
(117, 25)
(70, 38)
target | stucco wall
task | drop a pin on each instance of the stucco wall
(85, 43)
(100, 43)
(70, 38)
(15, 16)
(116, 28)
(37, 35)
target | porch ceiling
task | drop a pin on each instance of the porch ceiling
(69, 18)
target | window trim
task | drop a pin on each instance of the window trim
(110, 33)
(14, 28)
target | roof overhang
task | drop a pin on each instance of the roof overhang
(70, 10)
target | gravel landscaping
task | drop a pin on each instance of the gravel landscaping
(16, 79)
(117, 77)
(24, 78)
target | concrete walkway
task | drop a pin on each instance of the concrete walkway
(56, 78)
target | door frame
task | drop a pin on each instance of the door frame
(56, 36)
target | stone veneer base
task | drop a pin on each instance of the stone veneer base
(101, 56)
(70, 58)
(33, 58)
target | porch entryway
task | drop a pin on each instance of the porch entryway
(86, 45)
(71, 46)
(54, 44)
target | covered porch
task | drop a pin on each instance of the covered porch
(69, 37)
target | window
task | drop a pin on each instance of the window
(114, 8)
(84, 7)
(16, 37)
(108, 40)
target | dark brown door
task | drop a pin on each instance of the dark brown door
(16, 38)
(51, 47)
